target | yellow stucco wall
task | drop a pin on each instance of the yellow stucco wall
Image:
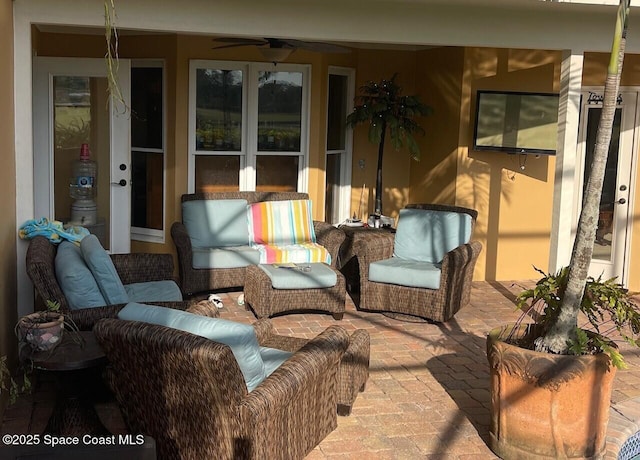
(514, 205)
(377, 65)
(439, 85)
(8, 278)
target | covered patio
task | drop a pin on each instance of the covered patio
(427, 395)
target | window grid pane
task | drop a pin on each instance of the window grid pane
(279, 111)
(337, 112)
(277, 173)
(217, 173)
(219, 110)
(147, 190)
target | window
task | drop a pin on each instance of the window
(338, 164)
(147, 151)
(248, 126)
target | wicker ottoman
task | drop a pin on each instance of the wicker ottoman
(260, 295)
(354, 366)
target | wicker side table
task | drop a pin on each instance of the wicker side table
(76, 368)
(265, 301)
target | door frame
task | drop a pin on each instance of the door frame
(633, 164)
(44, 68)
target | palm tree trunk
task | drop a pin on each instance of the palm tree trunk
(558, 337)
(378, 202)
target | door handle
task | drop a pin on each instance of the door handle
(620, 201)
(121, 183)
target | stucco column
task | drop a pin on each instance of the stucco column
(564, 195)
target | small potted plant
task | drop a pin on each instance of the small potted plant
(43, 330)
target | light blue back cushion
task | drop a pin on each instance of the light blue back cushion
(150, 291)
(216, 223)
(103, 270)
(405, 273)
(75, 279)
(241, 338)
(426, 235)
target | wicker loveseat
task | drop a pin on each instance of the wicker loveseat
(132, 268)
(196, 280)
(188, 393)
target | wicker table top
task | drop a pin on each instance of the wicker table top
(78, 350)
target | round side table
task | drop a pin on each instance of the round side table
(74, 367)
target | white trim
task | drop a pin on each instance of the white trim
(565, 171)
(23, 128)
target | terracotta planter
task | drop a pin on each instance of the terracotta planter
(544, 405)
(43, 331)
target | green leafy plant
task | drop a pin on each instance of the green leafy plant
(606, 304)
(8, 383)
(382, 106)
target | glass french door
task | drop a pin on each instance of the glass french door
(611, 248)
(71, 107)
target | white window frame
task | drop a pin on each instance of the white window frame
(249, 151)
(152, 235)
(344, 208)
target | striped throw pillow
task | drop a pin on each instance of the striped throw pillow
(281, 222)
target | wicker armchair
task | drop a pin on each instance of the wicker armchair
(132, 268)
(188, 393)
(437, 305)
(354, 365)
(195, 280)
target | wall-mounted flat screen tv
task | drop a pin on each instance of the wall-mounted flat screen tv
(516, 122)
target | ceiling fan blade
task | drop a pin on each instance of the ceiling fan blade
(318, 47)
(234, 45)
(240, 41)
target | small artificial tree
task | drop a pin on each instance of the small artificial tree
(382, 106)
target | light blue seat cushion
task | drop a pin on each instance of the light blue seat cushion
(225, 257)
(150, 291)
(103, 270)
(318, 276)
(216, 223)
(405, 273)
(241, 338)
(426, 235)
(273, 358)
(75, 279)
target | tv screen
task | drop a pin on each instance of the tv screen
(516, 122)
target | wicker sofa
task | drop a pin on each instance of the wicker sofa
(214, 416)
(196, 280)
(132, 268)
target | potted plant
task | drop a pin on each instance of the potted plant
(552, 401)
(43, 330)
(557, 405)
(385, 110)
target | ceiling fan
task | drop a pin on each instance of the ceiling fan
(277, 49)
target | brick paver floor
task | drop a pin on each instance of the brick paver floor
(427, 396)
